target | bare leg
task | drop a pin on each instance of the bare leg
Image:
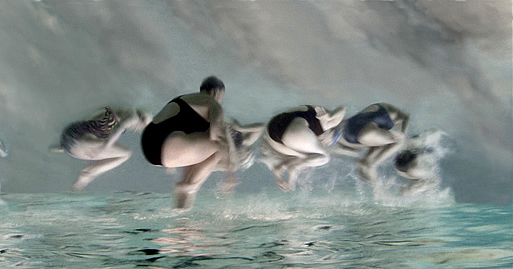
(193, 177)
(104, 161)
(278, 172)
(382, 144)
(373, 158)
(295, 165)
(373, 136)
(340, 149)
(198, 155)
(311, 153)
(181, 150)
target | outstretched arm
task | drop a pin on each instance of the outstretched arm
(398, 116)
(251, 133)
(115, 136)
(330, 119)
(406, 121)
(216, 119)
(254, 127)
(129, 119)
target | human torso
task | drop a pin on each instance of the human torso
(186, 120)
(356, 123)
(100, 128)
(277, 125)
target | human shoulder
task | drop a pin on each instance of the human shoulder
(302, 108)
(197, 98)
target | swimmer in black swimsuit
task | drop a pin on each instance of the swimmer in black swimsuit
(381, 128)
(190, 132)
(95, 139)
(297, 139)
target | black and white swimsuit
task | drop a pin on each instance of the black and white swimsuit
(99, 128)
(187, 120)
(280, 122)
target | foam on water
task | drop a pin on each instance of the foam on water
(305, 228)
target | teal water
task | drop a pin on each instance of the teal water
(269, 229)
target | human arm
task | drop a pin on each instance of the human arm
(118, 131)
(129, 119)
(330, 119)
(210, 110)
(405, 121)
(399, 117)
(250, 133)
(216, 119)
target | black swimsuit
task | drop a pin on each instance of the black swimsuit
(154, 135)
(279, 123)
(356, 123)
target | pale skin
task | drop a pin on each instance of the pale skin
(381, 143)
(105, 154)
(301, 147)
(250, 134)
(203, 156)
(239, 155)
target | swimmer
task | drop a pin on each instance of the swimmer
(418, 161)
(190, 132)
(240, 142)
(95, 139)
(380, 128)
(297, 139)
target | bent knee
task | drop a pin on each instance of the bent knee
(324, 159)
(127, 154)
(318, 159)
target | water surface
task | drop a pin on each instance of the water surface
(304, 229)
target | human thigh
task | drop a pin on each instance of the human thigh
(180, 149)
(299, 137)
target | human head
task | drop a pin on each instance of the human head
(213, 87)
(419, 159)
